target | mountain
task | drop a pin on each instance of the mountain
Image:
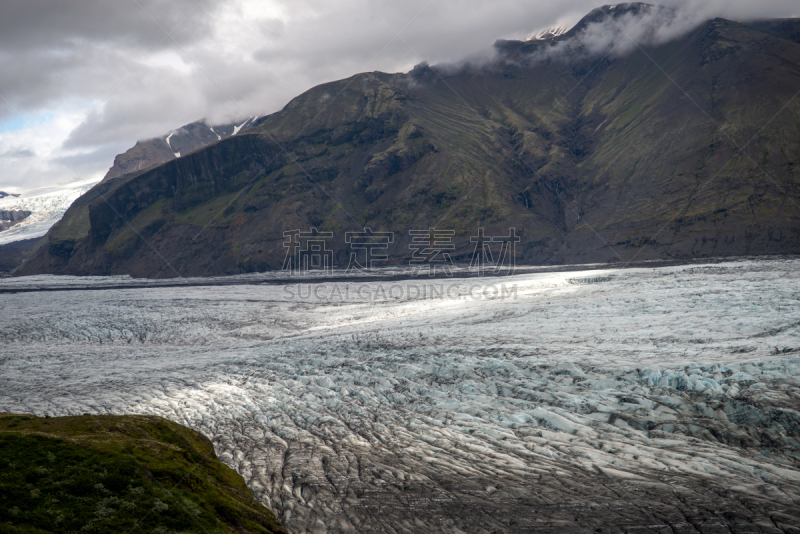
(9, 218)
(184, 140)
(24, 219)
(672, 150)
(13, 254)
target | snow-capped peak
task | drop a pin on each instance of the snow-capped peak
(550, 33)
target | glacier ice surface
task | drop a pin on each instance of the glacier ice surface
(673, 391)
(46, 210)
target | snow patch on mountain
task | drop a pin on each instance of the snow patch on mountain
(237, 129)
(549, 33)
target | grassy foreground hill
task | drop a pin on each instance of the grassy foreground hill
(683, 149)
(119, 474)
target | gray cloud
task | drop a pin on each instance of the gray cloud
(235, 58)
(56, 51)
(653, 25)
(18, 153)
(43, 24)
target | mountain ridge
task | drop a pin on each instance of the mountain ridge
(591, 159)
(144, 154)
(183, 140)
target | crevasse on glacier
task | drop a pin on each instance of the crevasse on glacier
(643, 397)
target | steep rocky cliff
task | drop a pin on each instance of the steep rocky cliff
(184, 140)
(9, 218)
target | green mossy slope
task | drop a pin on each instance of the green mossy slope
(119, 474)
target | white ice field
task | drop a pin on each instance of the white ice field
(661, 395)
(46, 210)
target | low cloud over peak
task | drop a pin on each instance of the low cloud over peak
(109, 74)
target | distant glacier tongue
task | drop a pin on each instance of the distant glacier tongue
(615, 400)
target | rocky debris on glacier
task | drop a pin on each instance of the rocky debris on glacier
(609, 451)
(578, 407)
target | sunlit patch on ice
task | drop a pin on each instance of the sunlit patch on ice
(645, 378)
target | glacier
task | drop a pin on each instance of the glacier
(46, 210)
(661, 399)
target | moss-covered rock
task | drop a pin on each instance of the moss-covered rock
(119, 474)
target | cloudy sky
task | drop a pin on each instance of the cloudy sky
(83, 80)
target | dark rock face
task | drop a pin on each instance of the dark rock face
(788, 29)
(184, 140)
(9, 218)
(13, 254)
(590, 159)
